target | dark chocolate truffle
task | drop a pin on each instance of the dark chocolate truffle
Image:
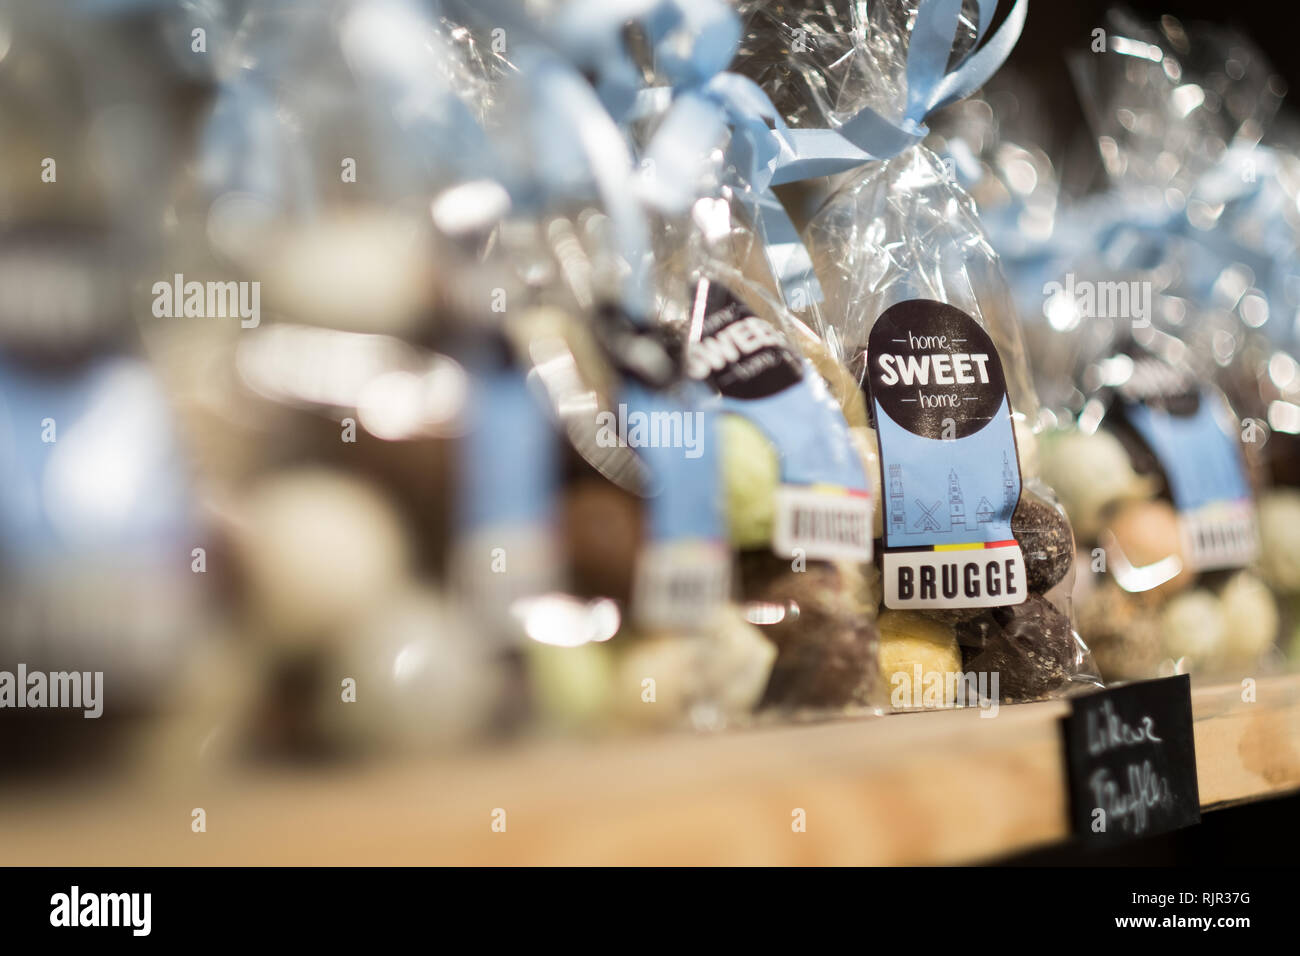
(602, 532)
(1029, 646)
(1045, 538)
(826, 641)
(953, 616)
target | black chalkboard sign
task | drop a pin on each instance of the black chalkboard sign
(1132, 761)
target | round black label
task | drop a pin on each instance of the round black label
(739, 354)
(934, 370)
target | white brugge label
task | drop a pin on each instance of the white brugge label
(1220, 535)
(974, 577)
(681, 584)
(822, 523)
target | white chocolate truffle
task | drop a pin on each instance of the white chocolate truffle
(318, 548)
(1089, 472)
(362, 271)
(655, 680)
(706, 680)
(424, 677)
(1191, 627)
(1250, 618)
(751, 472)
(908, 639)
(1279, 539)
(738, 662)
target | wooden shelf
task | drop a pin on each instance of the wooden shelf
(932, 788)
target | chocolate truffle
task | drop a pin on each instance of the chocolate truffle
(602, 534)
(1191, 628)
(424, 677)
(572, 686)
(705, 680)
(1029, 646)
(953, 616)
(1088, 473)
(908, 641)
(318, 547)
(1122, 630)
(824, 634)
(1142, 533)
(751, 471)
(1279, 539)
(1250, 618)
(1045, 538)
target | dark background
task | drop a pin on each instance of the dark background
(1056, 28)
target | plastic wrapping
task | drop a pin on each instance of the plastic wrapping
(1145, 304)
(1178, 131)
(795, 480)
(642, 520)
(326, 425)
(909, 279)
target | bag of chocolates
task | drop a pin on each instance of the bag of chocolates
(1138, 302)
(641, 518)
(1189, 281)
(794, 481)
(976, 556)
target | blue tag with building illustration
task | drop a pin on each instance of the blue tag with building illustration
(684, 567)
(949, 467)
(1193, 435)
(823, 506)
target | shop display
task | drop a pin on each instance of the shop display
(646, 367)
(914, 307)
(1156, 310)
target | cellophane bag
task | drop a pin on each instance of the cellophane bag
(975, 554)
(795, 476)
(1181, 290)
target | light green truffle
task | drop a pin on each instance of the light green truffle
(571, 685)
(751, 471)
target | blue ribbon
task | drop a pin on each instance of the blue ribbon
(766, 152)
(246, 146)
(574, 147)
(692, 43)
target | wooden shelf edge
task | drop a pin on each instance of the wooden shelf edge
(932, 788)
